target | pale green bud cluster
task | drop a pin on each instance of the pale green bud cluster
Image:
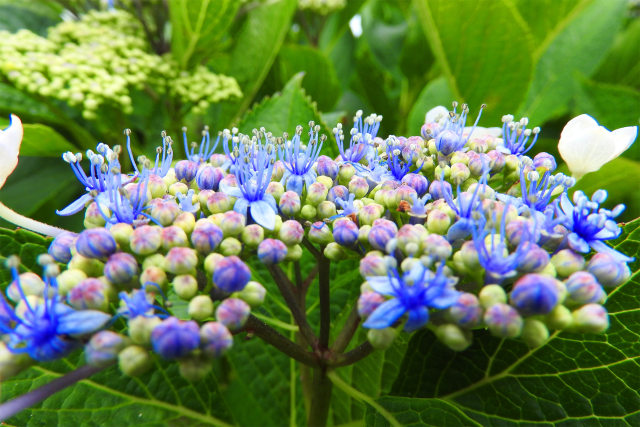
(322, 7)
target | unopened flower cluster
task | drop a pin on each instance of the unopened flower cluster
(101, 59)
(323, 7)
(457, 229)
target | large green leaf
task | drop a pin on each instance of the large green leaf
(34, 16)
(572, 380)
(17, 102)
(575, 44)
(435, 93)
(622, 64)
(320, 79)
(256, 46)
(196, 28)
(24, 244)
(483, 48)
(284, 111)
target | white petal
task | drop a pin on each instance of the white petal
(623, 138)
(436, 114)
(10, 139)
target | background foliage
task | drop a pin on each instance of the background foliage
(547, 59)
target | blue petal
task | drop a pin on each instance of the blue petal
(385, 315)
(418, 317)
(383, 284)
(76, 206)
(241, 206)
(602, 247)
(271, 200)
(263, 214)
(459, 230)
(81, 322)
(577, 243)
(230, 190)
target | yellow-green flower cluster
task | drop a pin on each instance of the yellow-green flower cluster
(99, 59)
(322, 7)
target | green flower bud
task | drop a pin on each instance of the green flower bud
(230, 246)
(155, 260)
(276, 189)
(453, 336)
(210, 262)
(335, 252)
(140, 328)
(308, 212)
(194, 368)
(328, 182)
(185, 286)
(90, 266)
(155, 275)
(534, 333)
(122, 232)
(186, 221)
(316, 193)
(381, 339)
(68, 279)
(326, 210)
(346, 172)
(252, 235)
(320, 233)
(253, 294)
(567, 262)
(438, 222)
(492, 294)
(559, 318)
(134, 361)
(590, 319)
(181, 260)
(178, 187)
(200, 307)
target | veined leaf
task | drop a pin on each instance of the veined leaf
(435, 93)
(622, 64)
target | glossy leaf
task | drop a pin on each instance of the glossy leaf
(622, 64)
(572, 380)
(435, 93)
(34, 16)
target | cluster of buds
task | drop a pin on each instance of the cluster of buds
(323, 7)
(455, 230)
(100, 59)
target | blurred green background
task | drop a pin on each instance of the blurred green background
(78, 73)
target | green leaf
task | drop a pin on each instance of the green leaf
(320, 79)
(17, 102)
(43, 141)
(435, 93)
(24, 244)
(284, 111)
(256, 46)
(572, 380)
(483, 48)
(196, 28)
(622, 65)
(576, 44)
(34, 16)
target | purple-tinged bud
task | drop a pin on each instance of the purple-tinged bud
(326, 209)
(122, 233)
(96, 243)
(165, 212)
(219, 203)
(253, 294)
(335, 252)
(217, 160)
(186, 221)
(316, 193)
(200, 307)
(345, 173)
(103, 348)
(386, 197)
(68, 279)
(206, 236)
(478, 145)
(276, 189)
(358, 186)
(544, 162)
(121, 268)
(157, 186)
(291, 233)
(320, 233)
(381, 232)
(90, 294)
(436, 246)
(134, 361)
(93, 218)
(503, 321)
(520, 227)
(230, 246)
(175, 338)
(154, 275)
(459, 173)
(369, 213)
(381, 339)
(438, 222)
(327, 167)
(338, 192)
(496, 161)
(373, 264)
(591, 319)
(30, 284)
(91, 267)
(583, 289)
(203, 197)
(290, 203)
(271, 251)
(368, 302)
(535, 294)
(609, 271)
(181, 260)
(60, 247)
(478, 162)
(466, 311)
(409, 239)
(233, 313)
(186, 170)
(453, 336)
(533, 259)
(146, 240)
(567, 262)
(215, 339)
(231, 274)
(447, 142)
(173, 236)
(232, 223)
(416, 181)
(534, 333)
(404, 193)
(437, 189)
(178, 187)
(252, 235)
(185, 286)
(345, 232)
(208, 177)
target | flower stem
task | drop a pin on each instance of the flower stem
(338, 382)
(28, 223)
(348, 330)
(12, 407)
(279, 341)
(321, 399)
(325, 302)
(353, 356)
